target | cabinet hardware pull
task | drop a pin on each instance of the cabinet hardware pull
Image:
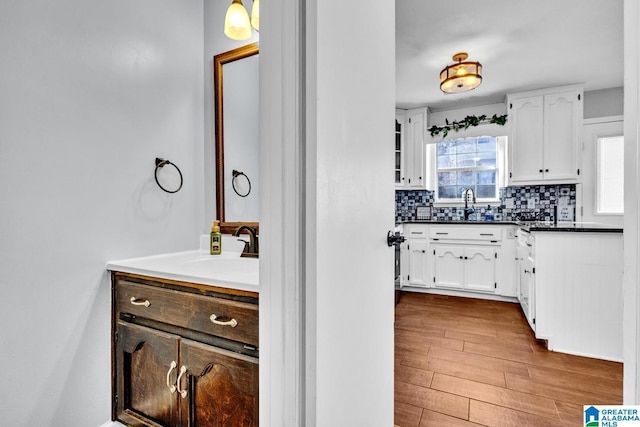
(173, 365)
(146, 302)
(183, 393)
(233, 322)
(486, 234)
(442, 233)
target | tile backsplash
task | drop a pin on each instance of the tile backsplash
(526, 202)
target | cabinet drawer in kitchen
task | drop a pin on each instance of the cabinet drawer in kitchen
(466, 233)
(416, 232)
(234, 320)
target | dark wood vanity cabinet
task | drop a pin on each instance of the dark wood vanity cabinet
(171, 364)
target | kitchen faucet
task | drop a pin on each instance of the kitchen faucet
(251, 248)
(465, 196)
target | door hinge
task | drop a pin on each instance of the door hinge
(496, 254)
(510, 106)
(409, 119)
(408, 246)
(495, 285)
(578, 97)
(434, 251)
(533, 270)
(581, 210)
(510, 175)
(434, 279)
(578, 171)
(407, 277)
(534, 320)
(115, 399)
(115, 336)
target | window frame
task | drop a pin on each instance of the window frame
(596, 207)
(501, 171)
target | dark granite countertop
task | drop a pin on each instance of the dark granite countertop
(586, 227)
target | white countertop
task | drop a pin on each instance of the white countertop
(227, 270)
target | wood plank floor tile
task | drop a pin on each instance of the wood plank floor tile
(492, 415)
(461, 361)
(405, 415)
(566, 394)
(417, 337)
(413, 375)
(436, 419)
(570, 413)
(568, 379)
(496, 395)
(438, 401)
(456, 369)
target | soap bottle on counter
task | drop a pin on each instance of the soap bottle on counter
(215, 242)
(488, 214)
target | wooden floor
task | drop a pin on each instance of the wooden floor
(467, 362)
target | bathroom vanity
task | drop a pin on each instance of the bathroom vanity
(185, 341)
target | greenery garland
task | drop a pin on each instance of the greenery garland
(466, 123)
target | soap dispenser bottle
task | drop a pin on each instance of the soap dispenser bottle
(215, 242)
(488, 214)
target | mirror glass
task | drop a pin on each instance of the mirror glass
(236, 82)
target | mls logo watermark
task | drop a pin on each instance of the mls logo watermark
(611, 415)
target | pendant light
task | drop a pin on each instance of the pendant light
(461, 76)
(255, 15)
(236, 22)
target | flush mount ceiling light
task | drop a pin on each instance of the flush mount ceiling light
(461, 76)
(236, 22)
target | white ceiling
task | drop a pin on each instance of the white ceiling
(521, 44)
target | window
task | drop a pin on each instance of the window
(610, 175)
(462, 163)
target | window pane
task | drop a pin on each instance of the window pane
(446, 147)
(487, 143)
(448, 192)
(466, 160)
(446, 161)
(486, 158)
(486, 191)
(446, 178)
(486, 177)
(467, 145)
(610, 175)
(467, 178)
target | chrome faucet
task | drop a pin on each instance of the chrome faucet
(251, 248)
(465, 196)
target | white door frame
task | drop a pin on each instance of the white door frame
(631, 280)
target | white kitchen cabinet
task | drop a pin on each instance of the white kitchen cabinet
(527, 288)
(399, 150)
(468, 267)
(410, 158)
(545, 136)
(415, 271)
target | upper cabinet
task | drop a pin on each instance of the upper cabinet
(545, 135)
(410, 148)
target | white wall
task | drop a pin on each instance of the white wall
(90, 93)
(604, 103)
(215, 42)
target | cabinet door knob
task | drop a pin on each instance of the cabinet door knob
(172, 387)
(540, 171)
(135, 301)
(233, 322)
(546, 170)
(183, 393)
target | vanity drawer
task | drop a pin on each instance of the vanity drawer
(415, 232)
(189, 310)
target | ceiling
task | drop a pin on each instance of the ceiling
(521, 44)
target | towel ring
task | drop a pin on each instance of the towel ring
(160, 163)
(235, 174)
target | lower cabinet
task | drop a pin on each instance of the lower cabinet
(465, 267)
(166, 374)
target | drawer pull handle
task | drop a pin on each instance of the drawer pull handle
(183, 393)
(171, 368)
(233, 322)
(146, 302)
(442, 233)
(486, 234)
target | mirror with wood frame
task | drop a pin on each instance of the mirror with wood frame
(236, 84)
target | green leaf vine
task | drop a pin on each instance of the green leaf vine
(466, 123)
